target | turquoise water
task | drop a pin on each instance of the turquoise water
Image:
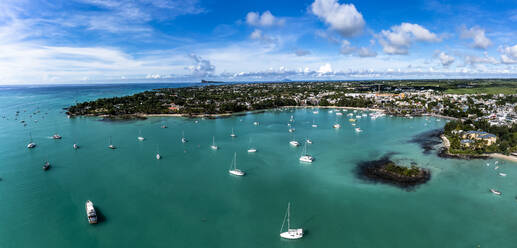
(188, 199)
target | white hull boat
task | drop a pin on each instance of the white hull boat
(291, 233)
(90, 212)
(233, 169)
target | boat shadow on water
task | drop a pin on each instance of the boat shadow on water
(101, 218)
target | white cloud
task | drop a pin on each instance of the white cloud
(366, 52)
(472, 59)
(346, 48)
(201, 67)
(400, 37)
(265, 19)
(302, 52)
(325, 69)
(477, 35)
(445, 59)
(344, 18)
(509, 54)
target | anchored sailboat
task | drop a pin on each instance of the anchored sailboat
(183, 139)
(140, 137)
(31, 144)
(291, 233)
(305, 156)
(213, 146)
(250, 148)
(111, 146)
(233, 135)
(233, 169)
(158, 153)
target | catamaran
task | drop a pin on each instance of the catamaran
(90, 212)
(293, 142)
(233, 169)
(291, 233)
(213, 146)
(305, 156)
(233, 135)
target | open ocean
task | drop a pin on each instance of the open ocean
(188, 199)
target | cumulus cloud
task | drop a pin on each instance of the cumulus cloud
(265, 19)
(302, 52)
(325, 69)
(472, 59)
(344, 18)
(257, 34)
(346, 48)
(445, 59)
(477, 35)
(399, 38)
(366, 52)
(201, 67)
(509, 54)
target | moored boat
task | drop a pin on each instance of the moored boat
(495, 192)
(46, 166)
(90, 212)
(233, 169)
(291, 233)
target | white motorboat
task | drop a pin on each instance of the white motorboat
(336, 126)
(56, 136)
(233, 169)
(308, 141)
(90, 212)
(213, 146)
(315, 112)
(291, 233)
(339, 113)
(502, 174)
(495, 192)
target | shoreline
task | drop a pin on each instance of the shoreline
(446, 145)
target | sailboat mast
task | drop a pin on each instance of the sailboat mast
(288, 216)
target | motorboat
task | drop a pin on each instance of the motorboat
(90, 212)
(495, 192)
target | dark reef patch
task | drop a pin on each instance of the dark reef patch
(428, 140)
(384, 170)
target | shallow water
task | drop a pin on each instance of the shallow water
(188, 199)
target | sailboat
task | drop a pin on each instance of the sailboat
(293, 142)
(140, 137)
(313, 124)
(56, 136)
(251, 149)
(233, 134)
(213, 146)
(76, 146)
(290, 233)
(233, 169)
(31, 144)
(183, 139)
(158, 153)
(111, 146)
(305, 156)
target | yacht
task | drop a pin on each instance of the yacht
(251, 149)
(31, 144)
(233, 169)
(213, 146)
(90, 212)
(233, 135)
(290, 233)
(336, 126)
(305, 156)
(495, 192)
(56, 136)
(46, 166)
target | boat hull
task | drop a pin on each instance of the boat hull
(292, 234)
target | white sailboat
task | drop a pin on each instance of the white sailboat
(233, 169)
(290, 233)
(251, 149)
(31, 144)
(183, 139)
(293, 142)
(158, 156)
(111, 146)
(213, 146)
(140, 137)
(76, 146)
(313, 124)
(305, 156)
(233, 135)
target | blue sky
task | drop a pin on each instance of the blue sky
(97, 41)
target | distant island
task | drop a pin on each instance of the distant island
(210, 82)
(386, 171)
(488, 107)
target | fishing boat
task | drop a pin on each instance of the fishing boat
(111, 146)
(56, 136)
(233, 135)
(213, 146)
(305, 156)
(495, 192)
(46, 166)
(291, 233)
(233, 169)
(90, 212)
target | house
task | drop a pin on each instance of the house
(480, 135)
(466, 142)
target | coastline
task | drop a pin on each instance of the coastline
(445, 152)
